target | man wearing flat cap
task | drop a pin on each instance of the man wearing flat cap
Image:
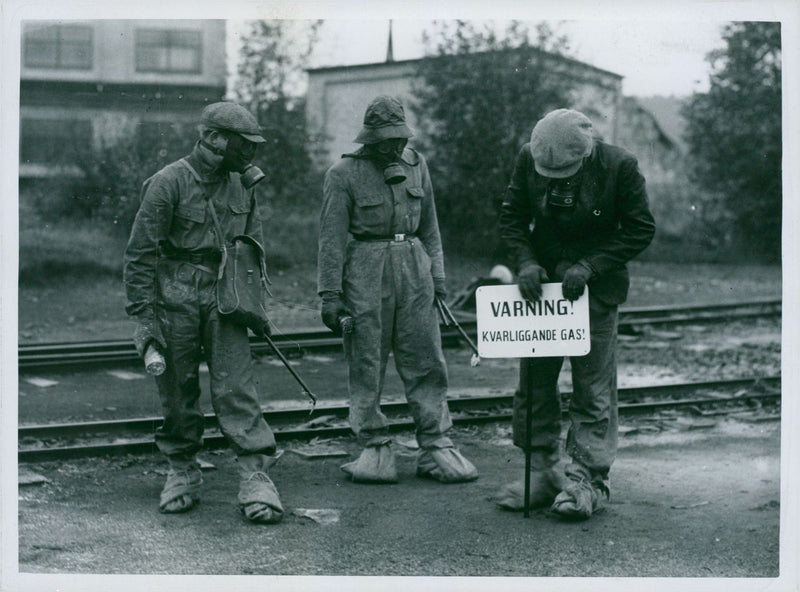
(170, 272)
(380, 268)
(575, 212)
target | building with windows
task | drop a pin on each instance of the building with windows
(79, 80)
(338, 95)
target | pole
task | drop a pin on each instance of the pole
(528, 428)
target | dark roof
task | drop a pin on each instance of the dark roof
(415, 61)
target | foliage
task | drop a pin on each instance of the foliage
(480, 95)
(734, 133)
(271, 83)
(111, 171)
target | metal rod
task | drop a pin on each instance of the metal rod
(528, 428)
(445, 320)
(459, 328)
(299, 380)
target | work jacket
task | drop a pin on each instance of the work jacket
(173, 221)
(609, 224)
(358, 203)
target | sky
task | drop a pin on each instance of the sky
(654, 57)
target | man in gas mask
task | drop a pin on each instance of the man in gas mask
(380, 267)
(170, 273)
(574, 212)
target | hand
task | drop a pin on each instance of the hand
(530, 280)
(439, 288)
(332, 309)
(574, 281)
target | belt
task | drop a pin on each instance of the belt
(373, 238)
(205, 257)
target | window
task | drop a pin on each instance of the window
(58, 46)
(162, 50)
(54, 141)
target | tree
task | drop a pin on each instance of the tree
(734, 133)
(271, 83)
(480, 94)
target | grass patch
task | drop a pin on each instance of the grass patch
(71, 249)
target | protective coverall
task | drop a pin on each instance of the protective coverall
(380, 247)
(170, 268)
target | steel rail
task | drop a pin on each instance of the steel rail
(119, 352)
(465, 410)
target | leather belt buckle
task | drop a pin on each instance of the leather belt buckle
(398, 238)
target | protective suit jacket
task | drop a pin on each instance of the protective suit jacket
(357, 203)
(609, 224)
(173, 220)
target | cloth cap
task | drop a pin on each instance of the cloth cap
(232, 117)
(559, 143)
(383, 119)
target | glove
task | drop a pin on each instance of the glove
(147, 331)
(332, 309)
(530, 280)
(574, 281)
(439, 288)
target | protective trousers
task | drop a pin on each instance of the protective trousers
(388, 289)
(592, 435)
(187, 313)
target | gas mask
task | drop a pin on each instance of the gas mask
(563, 193)
(236, 158)
(386, 154)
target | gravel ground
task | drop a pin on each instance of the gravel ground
(685, 502)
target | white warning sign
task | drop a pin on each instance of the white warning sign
(511, 327)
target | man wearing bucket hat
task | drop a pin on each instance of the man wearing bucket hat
(170, 273)
(381, 264)
(575, 212)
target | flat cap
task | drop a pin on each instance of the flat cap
(384, 118)
(559, 143)
(232, 117)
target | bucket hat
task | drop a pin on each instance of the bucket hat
(383, 119)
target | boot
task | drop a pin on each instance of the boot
(441, 460)
(258, 497)
(375, 464)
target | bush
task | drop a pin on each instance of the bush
(112, 171)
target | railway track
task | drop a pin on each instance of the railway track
(48, 442)
(54, 356)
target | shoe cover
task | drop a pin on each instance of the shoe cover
(375, 464)
(182, 490)
(577, 501)
(442, 461)
(258, 497)
(545, 485)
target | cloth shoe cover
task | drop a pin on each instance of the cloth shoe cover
(376, 464)
(442, 461)
(577, 501)
(258, 497)
(181, 481)
(545, 485)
